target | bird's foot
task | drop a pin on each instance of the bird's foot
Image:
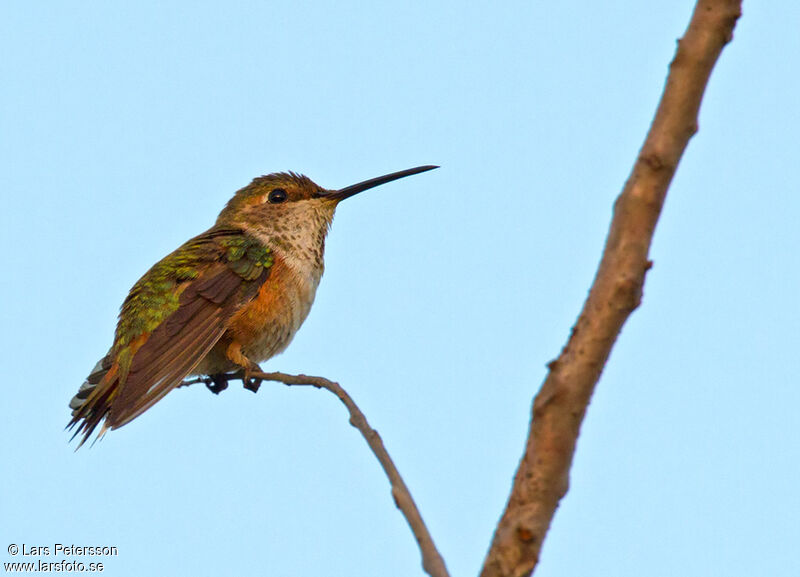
(251, 383)
(217, 383)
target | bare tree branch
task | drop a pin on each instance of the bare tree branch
(432, 561)
(543, 475)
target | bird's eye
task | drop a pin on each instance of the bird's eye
(277, 196)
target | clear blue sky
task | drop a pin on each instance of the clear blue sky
(125, 127)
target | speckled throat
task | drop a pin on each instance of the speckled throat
(295, 232)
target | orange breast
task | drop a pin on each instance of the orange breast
(266, 325)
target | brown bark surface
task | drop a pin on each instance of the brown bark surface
(542, 478)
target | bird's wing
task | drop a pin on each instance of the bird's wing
(171, 319)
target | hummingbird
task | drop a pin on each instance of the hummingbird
(223, 302)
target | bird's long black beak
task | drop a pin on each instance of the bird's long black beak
(353, 189)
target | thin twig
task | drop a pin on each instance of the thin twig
(543, 475)
(432, 561)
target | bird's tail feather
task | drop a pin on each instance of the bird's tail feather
(92, 401)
